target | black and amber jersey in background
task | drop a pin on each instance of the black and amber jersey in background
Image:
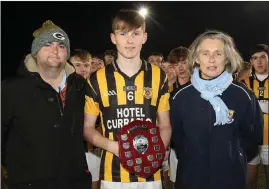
(121, 99)
(261, 90)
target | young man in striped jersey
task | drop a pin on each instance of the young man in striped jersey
(126, 90)
(258, 83)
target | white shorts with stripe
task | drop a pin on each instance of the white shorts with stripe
(131, 185)
(93, 162)
(173, 165)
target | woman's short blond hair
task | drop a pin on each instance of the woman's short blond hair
(232, 56)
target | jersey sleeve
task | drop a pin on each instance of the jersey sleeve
(91, 104)
(164, 96)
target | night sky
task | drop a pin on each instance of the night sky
(171, 24)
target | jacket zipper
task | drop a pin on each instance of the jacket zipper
(73, 119)
(210, 121)
(73, 123)
(241, 157)
(60, 105)
(61, 110)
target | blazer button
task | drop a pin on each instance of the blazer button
(50, 100)
(56, 126)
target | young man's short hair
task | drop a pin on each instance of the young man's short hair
(128, 20)
(156, 54)
(99, 56)
(178, 54)
(110, 52)
(260, 48)
(81, 54)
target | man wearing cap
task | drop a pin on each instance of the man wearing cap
(42, 118)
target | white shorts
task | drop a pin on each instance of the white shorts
(173, 165)
(131, 185)
(93, 162)
(262, 156)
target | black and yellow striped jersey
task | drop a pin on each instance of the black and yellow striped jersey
(121, 99)
(260, 88)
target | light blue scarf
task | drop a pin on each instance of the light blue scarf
(210, 89)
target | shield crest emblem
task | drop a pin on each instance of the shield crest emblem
(231, 116)
(141, 144)
(147, 92)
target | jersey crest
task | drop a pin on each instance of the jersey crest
(147, 92)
